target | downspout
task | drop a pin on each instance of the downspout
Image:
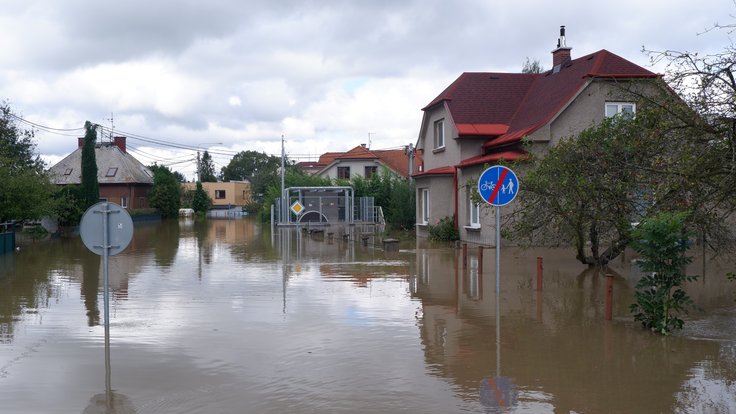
(454, 179)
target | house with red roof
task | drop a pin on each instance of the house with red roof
(361, 161)
(481, 119)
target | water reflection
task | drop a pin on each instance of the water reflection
(555, 345)
(232, 317)
(109, 402)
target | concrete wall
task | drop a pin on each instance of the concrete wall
(441, 200)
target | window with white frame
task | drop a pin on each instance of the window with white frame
(473, 214)
(425, 206)
(439, 134)
(124, 202)
(627, 109)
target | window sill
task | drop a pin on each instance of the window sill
(421, 224)
(473, 228)
(436, 150)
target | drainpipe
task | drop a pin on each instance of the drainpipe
(454, 178)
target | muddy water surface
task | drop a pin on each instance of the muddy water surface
(228, 317)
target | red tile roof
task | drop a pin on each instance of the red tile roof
(507, 106)
(437, 171)
(513, 155)
(397, 160)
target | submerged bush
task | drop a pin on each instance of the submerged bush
(444, 230)
(662, 242)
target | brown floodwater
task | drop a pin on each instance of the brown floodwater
(228, 317)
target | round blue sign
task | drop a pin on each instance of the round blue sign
(498, 185)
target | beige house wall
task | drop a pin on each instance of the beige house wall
(237, 193)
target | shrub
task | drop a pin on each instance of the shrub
(444, 230)
(662, 242)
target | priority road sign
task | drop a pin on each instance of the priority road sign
(297, 207)
(498, 185)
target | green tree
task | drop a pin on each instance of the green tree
(207, 169)
(166, 192)
(589, 189)
(180, 177)
(90, 191)
(393, 193)
(258, 168)
(294, 177)
(25, 190)
(201, 202)
(662, 241)
(68, 205)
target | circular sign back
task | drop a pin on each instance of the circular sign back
(498, 185)
(119, 228)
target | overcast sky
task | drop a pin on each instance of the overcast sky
(327, 74)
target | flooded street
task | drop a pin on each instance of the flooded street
(226, 317)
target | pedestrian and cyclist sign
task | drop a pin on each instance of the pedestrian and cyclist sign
(498, 185)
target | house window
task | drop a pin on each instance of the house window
(370, 171)
(628, 109)
(439, 134)
(111, 172)
(124, 202)
(425, 206)
(343, 173)
(219, 194)
(473, 214)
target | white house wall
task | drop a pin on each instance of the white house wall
(357, 168)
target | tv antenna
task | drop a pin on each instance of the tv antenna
(112, 124)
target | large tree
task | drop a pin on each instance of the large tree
(166, 192)
(591, 189)
(259, 168)
(90, 191)
(25, 190)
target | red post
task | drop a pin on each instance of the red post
(480, 260)
(609, 297)
(465, 256)
(539, 273)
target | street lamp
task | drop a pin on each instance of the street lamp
(199, 163)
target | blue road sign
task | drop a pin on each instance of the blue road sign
(498, 185)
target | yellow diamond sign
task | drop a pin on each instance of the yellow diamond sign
(297, 207)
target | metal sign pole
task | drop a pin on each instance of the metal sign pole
(498, 250)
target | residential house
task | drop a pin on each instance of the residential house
(123, 179)
(225, 195)
(363, 162)
(481, 119)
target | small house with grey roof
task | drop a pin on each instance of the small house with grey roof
(123, 179)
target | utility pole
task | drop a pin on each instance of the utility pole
(199, 167)
(284, 207)
(410, 153)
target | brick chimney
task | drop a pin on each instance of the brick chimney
(120, 143)
(561, 55)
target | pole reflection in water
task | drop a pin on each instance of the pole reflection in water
(498, 393)
(109, 402)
